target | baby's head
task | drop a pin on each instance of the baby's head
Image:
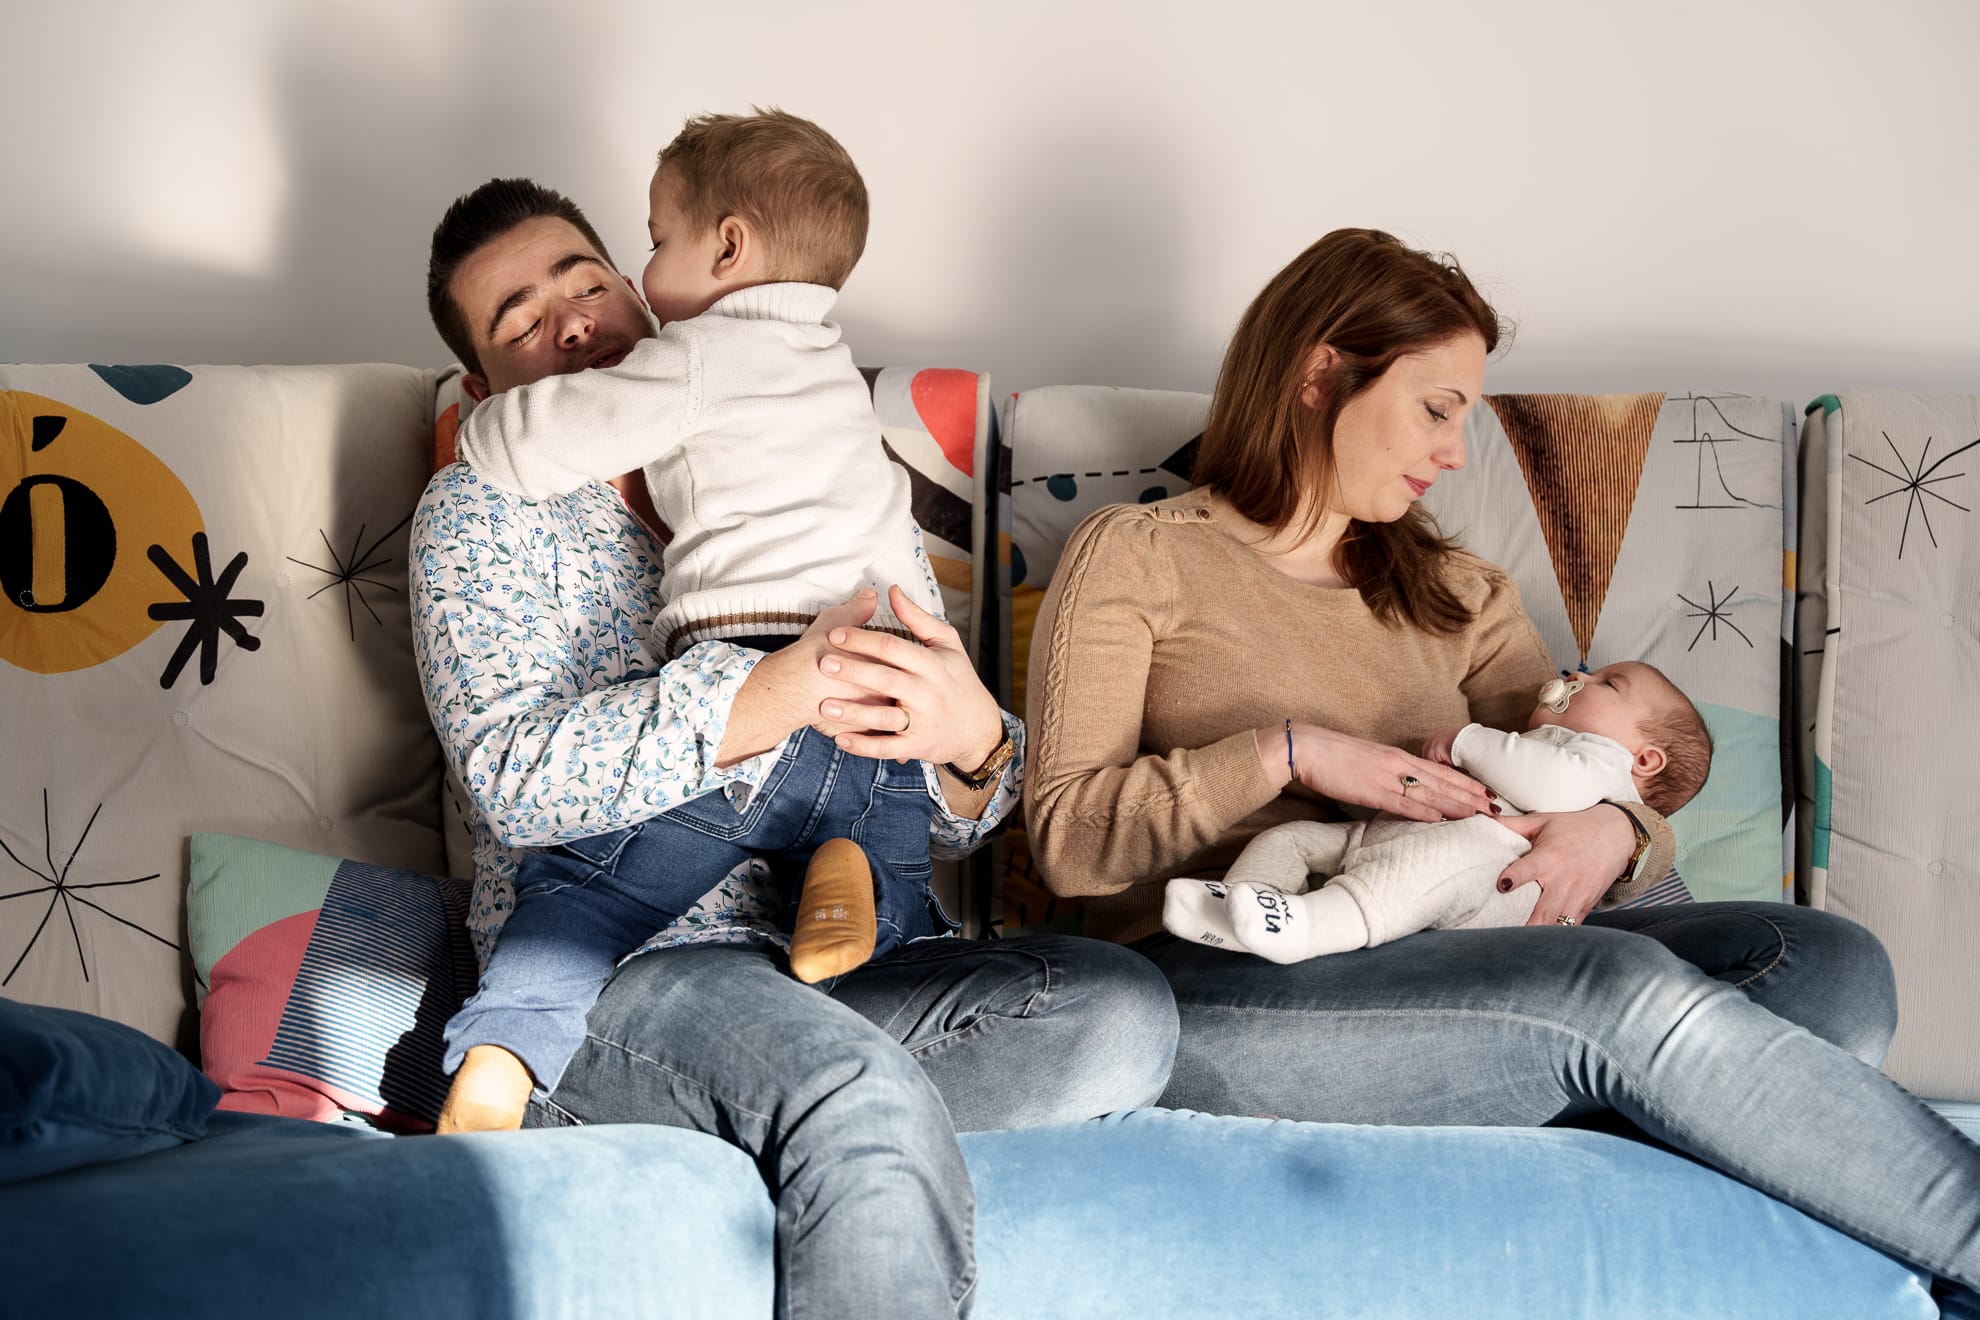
(738, 200)
(1634, 704)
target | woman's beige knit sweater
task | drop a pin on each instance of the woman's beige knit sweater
(1164, 643)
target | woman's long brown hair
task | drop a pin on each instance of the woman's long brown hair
(1365, 295)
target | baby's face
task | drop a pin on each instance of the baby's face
(679, 281)
(1613, 702)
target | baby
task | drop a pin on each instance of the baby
(1624, 732)
(760, 448)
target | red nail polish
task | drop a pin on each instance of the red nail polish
(1494, 806)
(1505, 885)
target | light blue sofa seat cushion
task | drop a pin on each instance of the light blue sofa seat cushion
(1146, 1215)
(280, 1216)
(1160, 1214)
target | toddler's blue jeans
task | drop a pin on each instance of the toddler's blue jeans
(583, 907)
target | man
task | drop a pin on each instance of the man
(529, 629)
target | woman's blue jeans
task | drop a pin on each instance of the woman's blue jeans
(1744, 1034)
(849, 1093)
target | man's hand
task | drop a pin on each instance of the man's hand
(917, 699)
(786, 689)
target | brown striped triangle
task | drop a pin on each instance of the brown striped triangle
(1582, 455)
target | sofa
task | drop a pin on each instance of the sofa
(231, 922)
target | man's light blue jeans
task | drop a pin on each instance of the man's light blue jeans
(849, 1093)
(1745, 1034)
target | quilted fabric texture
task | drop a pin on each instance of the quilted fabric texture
(204, 627)
(1889, 704)
(331, 981)
(1646, 527)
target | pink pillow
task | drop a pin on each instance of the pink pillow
(326, 982)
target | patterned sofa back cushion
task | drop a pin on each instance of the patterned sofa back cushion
(936, 423)
(1889, 705)
(1653, 527)
(204, 628)
(1645, 527)
(1073, 449)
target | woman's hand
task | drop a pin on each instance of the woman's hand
(1342, 768)
(916, 699)
(1576, 857)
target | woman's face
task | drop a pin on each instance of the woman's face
(1393, 439)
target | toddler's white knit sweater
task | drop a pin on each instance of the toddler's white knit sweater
(762, 453)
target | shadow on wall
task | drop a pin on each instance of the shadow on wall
(380, 124)
(1093, 208)
(380, 154)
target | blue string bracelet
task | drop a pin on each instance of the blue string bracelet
(1289, 757)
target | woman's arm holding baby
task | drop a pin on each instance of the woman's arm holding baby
(1577, 857)
(1102, 814)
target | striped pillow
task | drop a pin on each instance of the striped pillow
(324, 984)
(1670, 890)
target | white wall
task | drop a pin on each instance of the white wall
(1777, 197)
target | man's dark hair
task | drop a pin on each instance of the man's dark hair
(473, 222)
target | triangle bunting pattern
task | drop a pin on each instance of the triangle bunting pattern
(1582, 456)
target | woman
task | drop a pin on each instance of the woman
(1263, 646)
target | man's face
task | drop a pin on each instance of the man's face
(539, 301)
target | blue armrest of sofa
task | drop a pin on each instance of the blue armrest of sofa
(1145, 1215)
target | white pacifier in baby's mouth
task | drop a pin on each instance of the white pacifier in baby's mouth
(1555, 693)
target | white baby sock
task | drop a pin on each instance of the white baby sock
(1195, 911)
(1289, 928)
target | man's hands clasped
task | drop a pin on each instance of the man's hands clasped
(917, 699)
(873, 693)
